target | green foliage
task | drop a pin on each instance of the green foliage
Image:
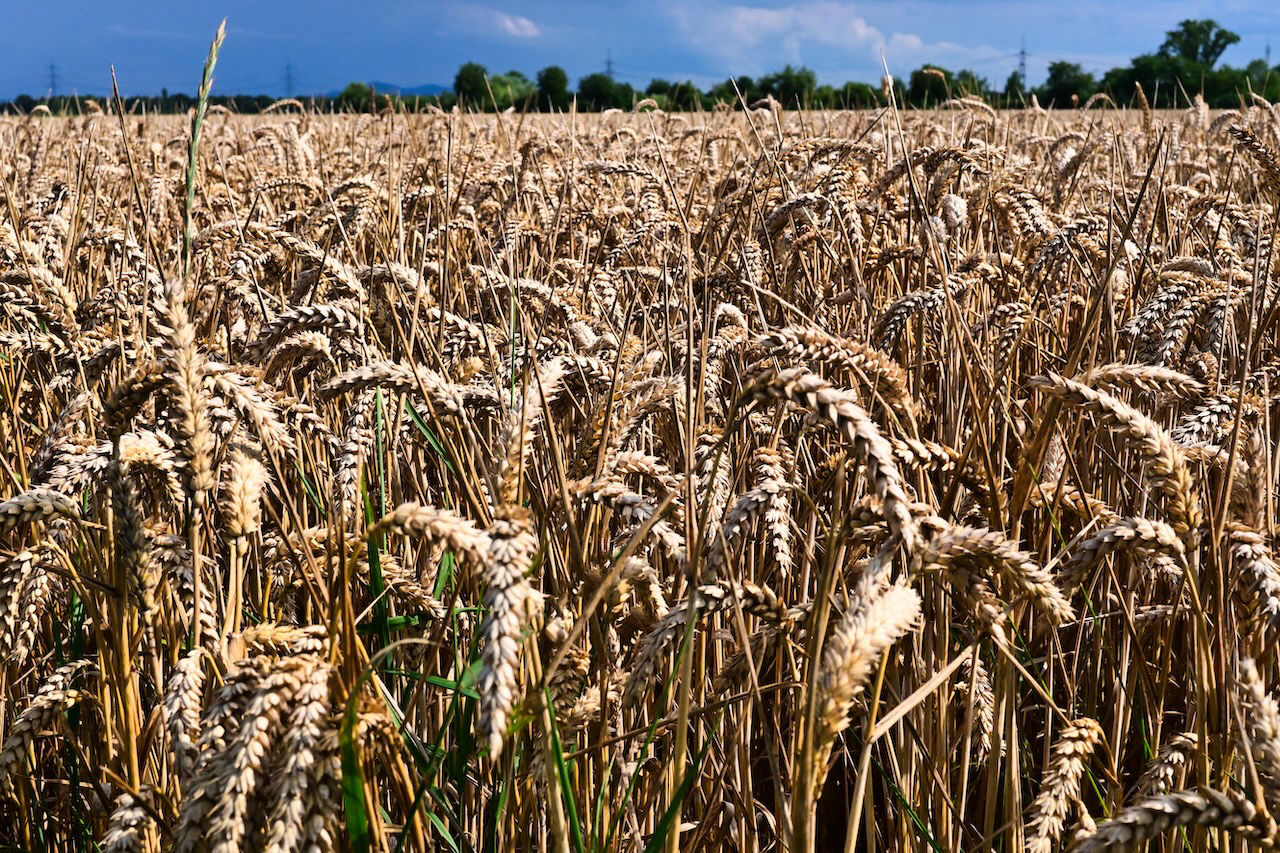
(469, 84)
(1156, 73)
(1198, 43)
(553, 89)
(969, 84)
(357, 97)
(856, 96)
(791, 87)
(1263, 80)
(675, 96)
(1067, 84)
(1170, 82)
(727, 92)
(929, 86)
(1185, 65)
(602, 92)
(512, 89)
(1015, 90)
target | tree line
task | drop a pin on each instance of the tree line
(139, 105)
(1186, 64)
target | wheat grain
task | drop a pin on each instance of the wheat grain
(1059, 787)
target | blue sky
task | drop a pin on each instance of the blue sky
(327, 43)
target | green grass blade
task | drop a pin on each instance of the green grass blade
(916, 821)
(562, 774)
(197, 122)
(353, 781)
(376, 585)
(310, 489)
(659, 838)
(447, 564)
(431, 437)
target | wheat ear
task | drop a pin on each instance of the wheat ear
(1165, 459)
(1059, 787)
(870, 447)
(1154, 816)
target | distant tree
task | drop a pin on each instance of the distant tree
(624, 95)
(600, 92)
(678, 96)
(1187, 64)
(791, 87)
(470, 86)
(929, 86)
(357, 96)
(1015, 89)
(1224, 86)
(1199, 43)
(1257, 72)
(967, 82)
(1066, 79)
(857, 96)
(595, 91)
(512, 89)
(553, 88)
(1157, 74)
(1263, 80)
(727, 92)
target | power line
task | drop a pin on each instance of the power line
(53, 80)
(1022, 62)
(608, 64)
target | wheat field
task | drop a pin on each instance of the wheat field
(742, 480)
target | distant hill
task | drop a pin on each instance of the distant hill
(426, 89)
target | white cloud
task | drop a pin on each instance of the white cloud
(484, 21)
(517, 25)
(828, 35)
(815, 21)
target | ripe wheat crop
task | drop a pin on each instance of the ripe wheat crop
(756, 480)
